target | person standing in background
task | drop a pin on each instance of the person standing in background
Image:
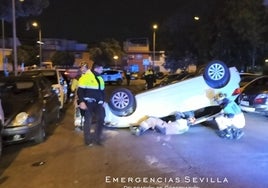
(79, 114)
(128, 77)
(149, 78)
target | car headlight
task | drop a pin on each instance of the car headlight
(23, 118)
(20, 118)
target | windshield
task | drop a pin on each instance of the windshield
(51, 75)
(17, 90)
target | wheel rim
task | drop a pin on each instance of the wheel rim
(120, 100)
(216, 71)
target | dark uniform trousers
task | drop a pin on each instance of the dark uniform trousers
(98, 110)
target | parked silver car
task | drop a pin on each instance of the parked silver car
(29, 105)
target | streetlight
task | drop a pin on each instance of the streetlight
(36, 25)
(3, 48)
(15, 36)
(196, 18)
(115, 60)
(154, 29)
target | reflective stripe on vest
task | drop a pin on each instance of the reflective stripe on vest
(88, 81)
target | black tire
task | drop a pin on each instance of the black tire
(216, 74)
(122, 102)
(40, 134)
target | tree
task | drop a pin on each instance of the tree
(105, 51)
(27, 55)
(249, 24)
(191, 30)
(23, 9)
(231, 30)
(61, 58)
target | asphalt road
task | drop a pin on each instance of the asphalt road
(197, 158)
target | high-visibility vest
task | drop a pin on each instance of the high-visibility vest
(90, 81)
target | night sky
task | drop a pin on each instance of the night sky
(91, 21)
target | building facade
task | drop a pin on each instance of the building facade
(138, 54)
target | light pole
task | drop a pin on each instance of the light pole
(154, 29)
(15, 36)
(3, 47)
(115, 60)
(36, 25)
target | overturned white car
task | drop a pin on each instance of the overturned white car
(195, 94)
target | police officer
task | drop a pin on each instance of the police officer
(91, 99)
(79, 114)
(149, 78)
(128, 77)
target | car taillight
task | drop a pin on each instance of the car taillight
(261, 99)
(237, 91)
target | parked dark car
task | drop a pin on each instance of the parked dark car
(55, 76)
(29, 105)
(247, 77)
(158, 75)
(254, 96)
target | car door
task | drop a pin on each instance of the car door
(51, 102)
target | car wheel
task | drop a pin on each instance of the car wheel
(122, 102)
(41, 133)
(216, 74)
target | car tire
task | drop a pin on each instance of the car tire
(216, 74)
(122, 102)
(41, 133)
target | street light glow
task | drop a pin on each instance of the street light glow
(155, 26)
(115, 60)
(36, 25)
(115, 57)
